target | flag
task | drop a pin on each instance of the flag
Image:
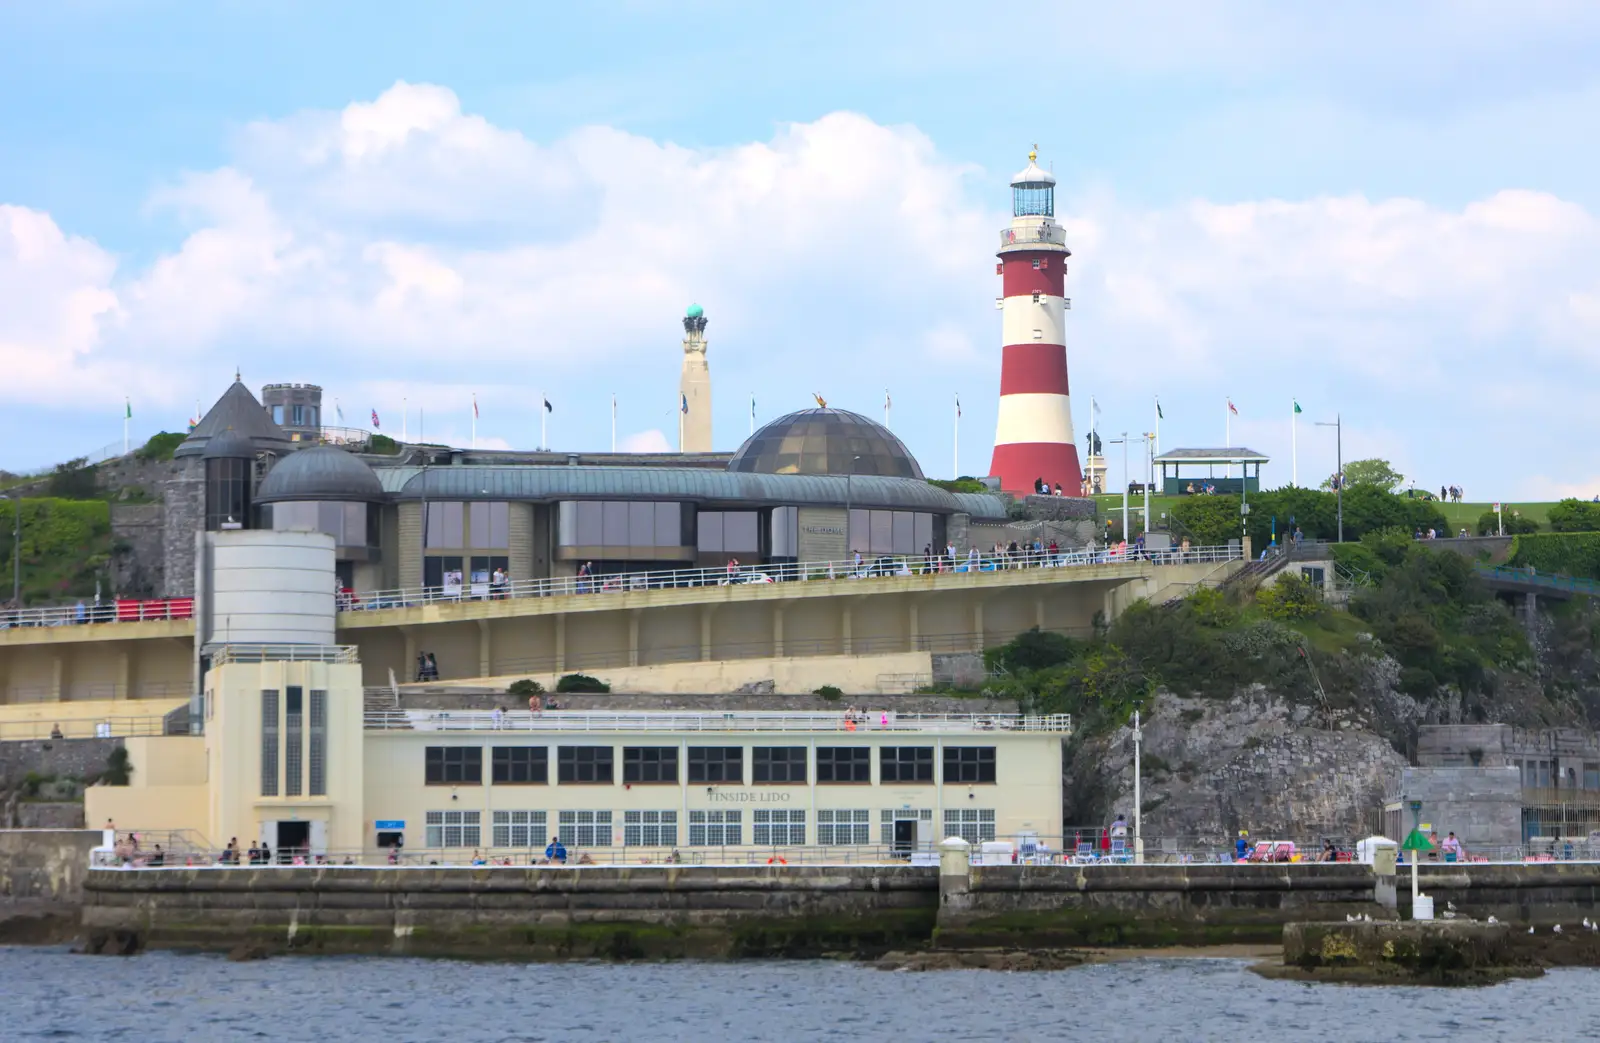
(1094, 406)
(958, 407)
(474, 405)
(1233, 408)
(1159, 414)
(128, 409)
(685, 406)
(338, 409)
(1297, 408)
(548, 408)
(752, 407)
(886, 403)
(375, 424)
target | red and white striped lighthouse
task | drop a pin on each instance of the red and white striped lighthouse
(1033, 438)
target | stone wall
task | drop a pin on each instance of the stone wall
(138, 559)
(74, 758)
(1481, 806)
(185, 514)
(1540, 893)
(1149, 905)
(518, 913)
(45, 864)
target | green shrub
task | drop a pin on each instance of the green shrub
(1573, 515)
(119, 769)
(832, 693)
(160, 446)
(525, 688)
(1032, 650)
(1291, 597)
(1489, 524)
(581, 683)
(964, 484)
(1564, 553)
(65, 543)
(383, 445)
(76, 479)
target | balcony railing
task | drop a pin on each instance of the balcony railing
(1555, 796)
(226, 654)
(1051, 234)
(983, 565)
(863, 723)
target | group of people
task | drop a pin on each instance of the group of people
(1451, 493)
(1042, 488)
(427, 667)
(1203, 489)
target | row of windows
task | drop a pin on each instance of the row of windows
(769, 827)
(771, 765)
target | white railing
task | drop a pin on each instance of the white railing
(808, 571)
(1052, 233)
(864, 722)
(226, 654)
(344, 435)
(869, 568)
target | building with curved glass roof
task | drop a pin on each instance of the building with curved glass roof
(815, 485)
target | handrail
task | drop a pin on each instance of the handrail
(1533, 577)
(226, 654)
(92, 728)
(864, 723)
(980, 563)
(779, 572)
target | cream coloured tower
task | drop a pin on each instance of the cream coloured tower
(694, 387)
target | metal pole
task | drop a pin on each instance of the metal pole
(1338, 441)
(1125, 486)
(1138, 838)
(1149, 476)
(16, 552)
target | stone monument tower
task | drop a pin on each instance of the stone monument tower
(694, 387)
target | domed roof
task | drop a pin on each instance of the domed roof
(694, 312)
(825, 441)
(322, 472)
(1032, 175)
(228, 445)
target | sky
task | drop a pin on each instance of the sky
(1388, 213)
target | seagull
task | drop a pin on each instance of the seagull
(1590, 924)
(1530, 930)
(1450, 906)
(1351, 918)
(1556, 928)
(1366, 917)
(1493, 920)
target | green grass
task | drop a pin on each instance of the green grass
(1465, 515)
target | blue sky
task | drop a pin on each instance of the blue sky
(1386, 215)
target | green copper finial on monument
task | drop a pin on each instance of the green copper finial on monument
(694, 312)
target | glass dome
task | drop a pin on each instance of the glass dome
(825, 441)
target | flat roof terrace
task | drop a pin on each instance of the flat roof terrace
(864, 725)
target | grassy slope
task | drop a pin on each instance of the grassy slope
(1460, 515)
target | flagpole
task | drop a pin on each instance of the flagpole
(127, 414)
(680, 423)
(474, 421)
(405, 419)
(955, 452)
(1294, 444)
(752, 412)
(1227, 432)
(613, 421)
(885, 407)
(544, 416)
(1158, 425)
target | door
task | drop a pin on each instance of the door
(319, 837)
(293, 837)
(905, 836)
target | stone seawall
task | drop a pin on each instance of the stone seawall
(517, 912)
(42, 872)
(1537, 893)
(1149, 905)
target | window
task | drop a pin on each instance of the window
(586, 828)
(1036, 264)
(442, 526)
(778, 764)
(844, 764)
(293, 735)
(1036, 296)
(835, 828)
(453, 829)
(519, 829)
(650, 828)
(1591, 775)
(649, 764)
(584, 764)
(776, 827)
(968, 764)
(588, 523)
(521, 765)
(297, 414)
(319, 743)
(974, 825)
(890, 532)
(269, 743)
(277, 415)
(716, 764)
(905, 764)
(728, 532)
(488, 525)
(454, 765)
(715, 828)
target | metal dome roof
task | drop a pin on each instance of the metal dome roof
(321, 472)
(825, 441)
(228, 445)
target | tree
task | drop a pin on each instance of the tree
(1373, 473)
(1572, 515)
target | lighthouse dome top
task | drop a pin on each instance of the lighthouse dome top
(1032, 175)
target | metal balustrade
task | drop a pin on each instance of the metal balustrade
(863, 722)
(981, 565)
(226, 654)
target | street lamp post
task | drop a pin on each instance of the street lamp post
(1126, 479)
(1138, 836)
(1244, 503)
(16, 550)
(1338, 441)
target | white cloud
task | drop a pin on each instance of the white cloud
(644, 442)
